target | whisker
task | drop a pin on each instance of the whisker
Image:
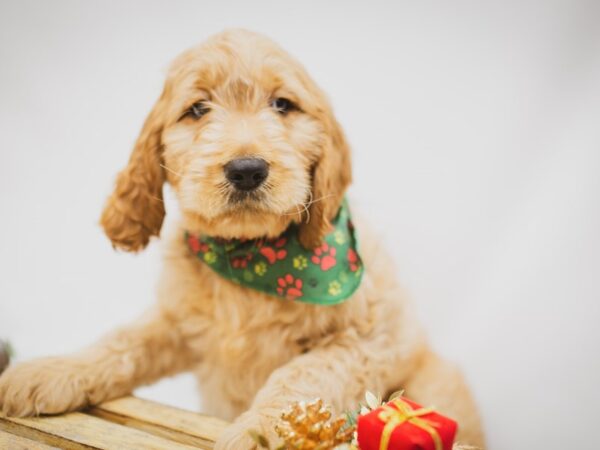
(172, 171)
(311, 201)
(306, 205)
(181, 175)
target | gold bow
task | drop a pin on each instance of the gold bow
(404, 413)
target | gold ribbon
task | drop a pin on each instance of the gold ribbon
(404, 413)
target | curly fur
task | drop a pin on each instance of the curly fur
(253, 354)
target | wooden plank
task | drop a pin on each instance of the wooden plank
(23, 431)
(206, 428)
(89, 432)
(156, 430)
(13, 442)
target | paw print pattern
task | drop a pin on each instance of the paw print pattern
(339, 236)
(289, 286)
(353, 260)
(283, 267)
(324, 256)
(260, 268)
(241, 261)
(197, 245)
(335, 288)
(274, 252)
(210, 257)
(300, 262)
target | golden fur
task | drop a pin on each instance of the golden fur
(253, 354)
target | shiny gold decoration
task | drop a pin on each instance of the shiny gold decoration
(309, 426)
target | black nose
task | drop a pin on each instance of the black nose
(246, 174)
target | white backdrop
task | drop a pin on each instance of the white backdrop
(476, 136)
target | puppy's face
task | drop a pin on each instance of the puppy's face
(242, 137)
(247, 141)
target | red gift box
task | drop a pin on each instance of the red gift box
(404, 425)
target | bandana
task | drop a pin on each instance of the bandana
(282, 267)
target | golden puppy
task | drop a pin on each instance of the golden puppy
(240, 97)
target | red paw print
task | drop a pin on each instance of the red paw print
(197, 245)
(241, 261)
(353, 260)
(292, 288)
(324, 256)
(274, 253)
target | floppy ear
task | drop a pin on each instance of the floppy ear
(135, 210)
(331, 176)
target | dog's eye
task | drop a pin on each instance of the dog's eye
(196, 111)
(283, 105)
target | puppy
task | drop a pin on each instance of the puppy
(251, 148)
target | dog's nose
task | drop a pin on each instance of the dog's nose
(246, 174)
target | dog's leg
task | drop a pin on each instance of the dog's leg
(130, 357)
(436, 382)
(339, 373)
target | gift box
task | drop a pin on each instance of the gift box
(404, 425)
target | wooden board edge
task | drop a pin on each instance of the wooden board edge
(43, 437)
(151, 428)
(11, 441)
(180, 420)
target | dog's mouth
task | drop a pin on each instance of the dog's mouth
(245, 198)
(247, 201)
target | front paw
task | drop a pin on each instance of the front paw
(237, 435)
(45, 386)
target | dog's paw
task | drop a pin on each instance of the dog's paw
(45, 386)
(237, 435)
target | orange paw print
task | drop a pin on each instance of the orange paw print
(289, 286)
(353, 260)
(324, 256)
(197, 245)
(274, 253)
(241, 261)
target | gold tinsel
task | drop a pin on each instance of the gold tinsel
(309, 426)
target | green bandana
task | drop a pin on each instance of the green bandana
(282, 267)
